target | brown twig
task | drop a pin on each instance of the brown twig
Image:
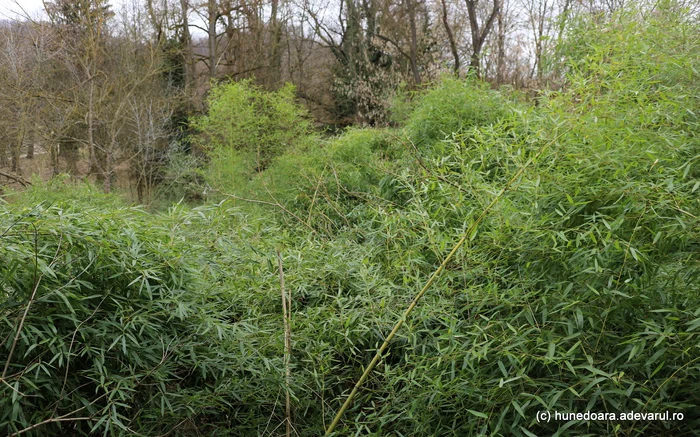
(53, 420)
(276, 203)
(16, 178)
(64, 418)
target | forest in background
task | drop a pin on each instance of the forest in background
(222, 257)
(106, 91)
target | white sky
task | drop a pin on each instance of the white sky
(11, 9)
(18, 9)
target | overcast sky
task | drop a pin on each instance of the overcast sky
(14, 9)
(11, 8)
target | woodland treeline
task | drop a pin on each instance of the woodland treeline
(106, 91)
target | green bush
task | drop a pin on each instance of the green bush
(111, 321)
(454, 105)
(580, 289)
(245, 128)
(322, 186)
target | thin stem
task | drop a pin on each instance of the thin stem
(276, 203)
(54, 420)
(286, 314)
(37, 281)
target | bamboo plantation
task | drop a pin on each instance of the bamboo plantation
(538, 256)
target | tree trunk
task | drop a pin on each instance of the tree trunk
(3, 151)
(275, 64)
(94, 165)
(479, 35)
(212, 16)
(501, 61)
(108, 169)
(188, 58)
(450, 38)
(414, 41)
(69, 152)
(30, 144)
(17, 149)
(539, 35)
(53, 157)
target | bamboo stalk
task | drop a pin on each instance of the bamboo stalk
(37, 281)
(286, 315)
(467, 235)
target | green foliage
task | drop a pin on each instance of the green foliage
(124, 332)
(182, 180)
(60, 188)
(575, 295)
(402, 105)
(452, 106)
(324, 186)
(246, 127)
(578, 292)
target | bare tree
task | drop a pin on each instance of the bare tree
(450, 36)
(22, 75)
(480, 31)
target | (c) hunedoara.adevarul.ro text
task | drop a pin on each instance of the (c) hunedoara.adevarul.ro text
(557, 416)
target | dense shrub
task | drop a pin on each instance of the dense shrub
(454, 105)
(245, 127)
(111, 323)
(580, 290)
